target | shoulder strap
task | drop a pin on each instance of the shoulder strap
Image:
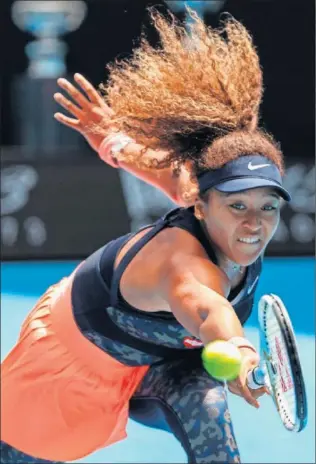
(127, 258)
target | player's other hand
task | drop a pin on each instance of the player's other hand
(239, 387)
(87, 108)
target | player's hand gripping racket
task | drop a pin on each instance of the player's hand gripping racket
(280, 368)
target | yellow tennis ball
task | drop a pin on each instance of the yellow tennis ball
(222, 360)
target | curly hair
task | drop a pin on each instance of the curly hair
(197, 96)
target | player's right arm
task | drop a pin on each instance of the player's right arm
(89, 109)
(196, 291)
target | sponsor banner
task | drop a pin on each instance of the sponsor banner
(66, 210)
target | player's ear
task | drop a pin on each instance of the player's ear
(199, 210)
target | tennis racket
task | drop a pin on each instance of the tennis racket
(280, 368)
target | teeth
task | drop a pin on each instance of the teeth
(249, 240)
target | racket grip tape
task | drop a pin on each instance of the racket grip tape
(256, 378)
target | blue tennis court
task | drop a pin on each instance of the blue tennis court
(261, 437)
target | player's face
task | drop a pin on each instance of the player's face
(242, 224)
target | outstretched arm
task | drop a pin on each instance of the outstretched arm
(195, 290)
(89, 110)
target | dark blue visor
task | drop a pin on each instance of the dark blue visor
(244, 173)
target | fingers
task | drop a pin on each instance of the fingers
(242, 390)
(73, 92)
(88, 88)
(246, 394)
(70, 122)
(263, 390)
(68, 105)
(259, 392)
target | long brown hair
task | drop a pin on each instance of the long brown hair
(196, 96)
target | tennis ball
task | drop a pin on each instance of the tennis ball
(222, 360)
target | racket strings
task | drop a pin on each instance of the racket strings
(282, 362)
(284, 397)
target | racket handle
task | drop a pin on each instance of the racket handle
(256, 378)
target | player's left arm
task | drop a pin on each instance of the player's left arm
(89, 110)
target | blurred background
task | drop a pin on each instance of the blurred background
(59, 202)
(52, 182)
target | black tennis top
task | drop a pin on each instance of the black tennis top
(100, 309)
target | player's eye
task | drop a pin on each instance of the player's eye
(238, 206)
(269, 208)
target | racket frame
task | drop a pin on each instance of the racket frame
(266, 372)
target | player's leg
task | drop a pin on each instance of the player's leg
(10, 455)
(195, 408)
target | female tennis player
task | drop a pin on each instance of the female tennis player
(122, 335)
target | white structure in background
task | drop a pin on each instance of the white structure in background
(200, 6)
(47, 21)
(32, 91)
(143, 201)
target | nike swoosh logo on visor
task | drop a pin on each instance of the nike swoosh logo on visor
(252, 167)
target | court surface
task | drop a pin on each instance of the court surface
(260, 435)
